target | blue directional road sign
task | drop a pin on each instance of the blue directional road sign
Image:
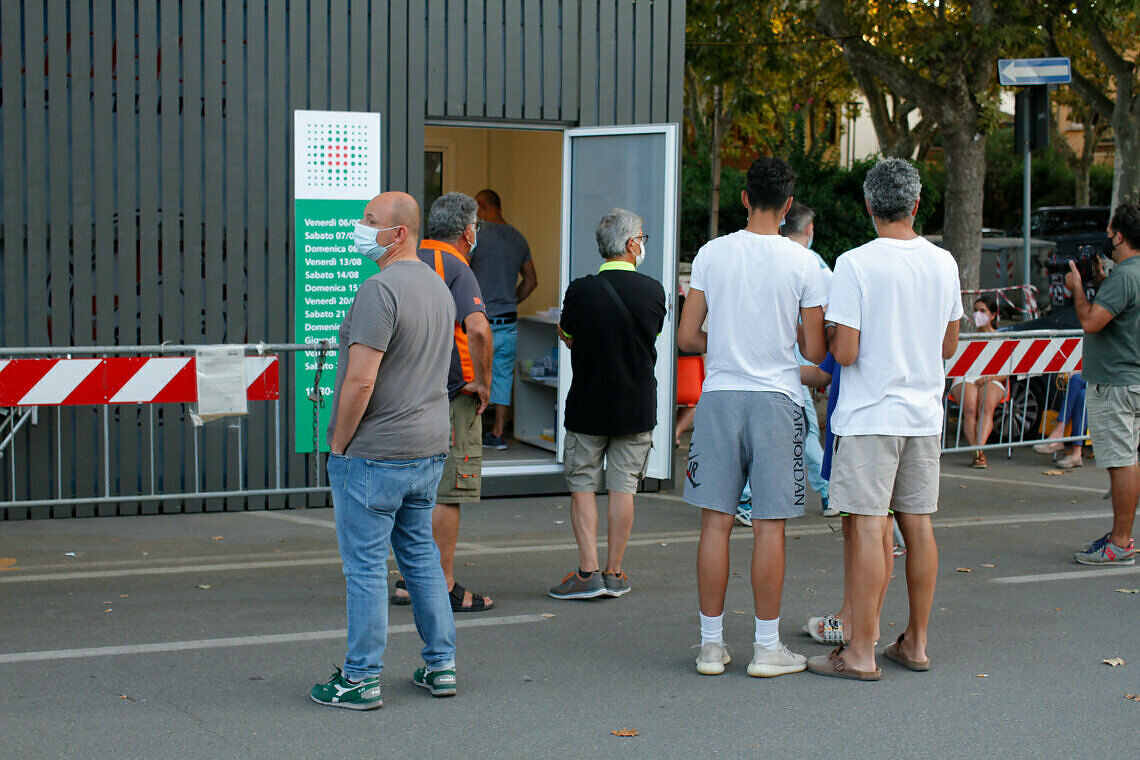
(1022, 72)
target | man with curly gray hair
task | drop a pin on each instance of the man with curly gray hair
(610, 322)
(892, 320)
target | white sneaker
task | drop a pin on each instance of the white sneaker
(768, 663)
(712, 659)
(744, 514)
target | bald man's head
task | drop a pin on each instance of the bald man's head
(392, 209)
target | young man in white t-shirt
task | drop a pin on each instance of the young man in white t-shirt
(756, 288)
(892, 320)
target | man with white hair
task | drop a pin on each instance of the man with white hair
(610, 322)
(892, 320)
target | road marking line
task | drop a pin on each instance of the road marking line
(1071, 575)
(474, 550)
(1052, 484)
(238, 641)
(280, 515)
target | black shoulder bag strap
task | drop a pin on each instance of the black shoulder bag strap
(622, 307)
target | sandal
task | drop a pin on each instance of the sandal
(894, 653)
(833, 665)
(980, 460)
(479, 603)
(826, 629)
(400, 601)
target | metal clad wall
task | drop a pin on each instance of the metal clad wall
(145, 177)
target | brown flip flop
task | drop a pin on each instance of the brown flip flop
(834, 666)
(894, 653)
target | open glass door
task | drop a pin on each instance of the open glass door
(635, 168)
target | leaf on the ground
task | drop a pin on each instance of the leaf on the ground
(960, 485)
(548, 615)
(123, 596)
(8, 563)
(107, 610)
(469, 564)
(1114, 662)
(965, 570)
(625, 732)
(1053, 472)
(203, 586)
(1128, 590)
(1133, 697)
(740, 612)
(217, 538)
(124, 696)
(559, 522)
(988, 564)
(1056, 609)
(982, 675)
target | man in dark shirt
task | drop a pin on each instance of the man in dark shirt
(610, 322)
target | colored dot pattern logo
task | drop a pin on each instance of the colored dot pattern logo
(337, 156)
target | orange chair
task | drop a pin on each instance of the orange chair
(690, 378)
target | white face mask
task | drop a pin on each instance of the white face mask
(641, 256)
(365, 239)
(981, 318)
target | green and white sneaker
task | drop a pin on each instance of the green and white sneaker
(441, 683)
(340, 692)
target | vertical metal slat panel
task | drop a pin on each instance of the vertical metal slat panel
(79, 425)
(318, 54)
(125, 431)
(659, 93)
(104, 151)
(456, 60)
(496, 76)
(513, 34)
(642, 46)
(676, 60)
(193, 176)
(170, 454)
(279, 122)
(476, 60)
(410, 149)
(588, 60)
(400, 21)
(435, 57)
(551, 61)
(258, 427)
(532, 59)
(11, 332)
(359, 49)
(569, 68)
(338, 54)
(607, 63)
(623, 75)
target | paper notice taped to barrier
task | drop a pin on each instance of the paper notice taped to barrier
(221, 383)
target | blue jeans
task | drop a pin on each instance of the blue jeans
(377, 503)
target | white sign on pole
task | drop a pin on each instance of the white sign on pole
(1025, 72)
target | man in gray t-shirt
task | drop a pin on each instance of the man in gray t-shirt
(387, 442)
(503, 256)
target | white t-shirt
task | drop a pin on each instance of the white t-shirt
(900, 295)
(755, 286)
(824, 272)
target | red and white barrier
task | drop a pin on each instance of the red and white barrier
(120, 380)
(1015, 356)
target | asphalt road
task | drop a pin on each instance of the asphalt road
(199, 636)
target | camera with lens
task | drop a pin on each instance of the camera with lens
(1085, 259)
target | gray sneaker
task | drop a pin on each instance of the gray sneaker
(616, 584)
(768, 663)
(712, 659)
(1104, 552)
(574, 586)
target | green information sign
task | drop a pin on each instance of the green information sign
(337, 171)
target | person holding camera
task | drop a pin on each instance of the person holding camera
(1111, 367)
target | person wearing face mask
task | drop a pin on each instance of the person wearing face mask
(610, 322)
(389, 432)
(1111, 367)
(452, 236)
(978, 396)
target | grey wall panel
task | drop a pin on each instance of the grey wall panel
(513, 34)
(676, 61)
(279, 212)
(570, 86)
(339, 54)
(258, 426)
(475, 60)
(659, 94)
(454, 38)
(608, 63)
(496, 76)
(532, 59)
(551, 60)
(624, 45)
(642, 99)
(436, 59)
(359, 43)
(588, 64)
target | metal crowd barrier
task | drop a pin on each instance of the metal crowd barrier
(146, 447)
(1037, 365)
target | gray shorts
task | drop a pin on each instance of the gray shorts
(755, 436)
(625, 456)
(1114, 423)
(871, 474)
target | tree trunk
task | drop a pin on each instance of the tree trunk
(1083, 165)
(1126, 168)
(965, 180)
(714, 164)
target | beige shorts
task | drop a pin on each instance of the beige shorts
(626, 457)
(1114, 422)
(462, 478)
(872, 474)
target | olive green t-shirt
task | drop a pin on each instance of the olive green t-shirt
(1112, 356)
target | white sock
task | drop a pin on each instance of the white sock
(712, 629)
(768, 633)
